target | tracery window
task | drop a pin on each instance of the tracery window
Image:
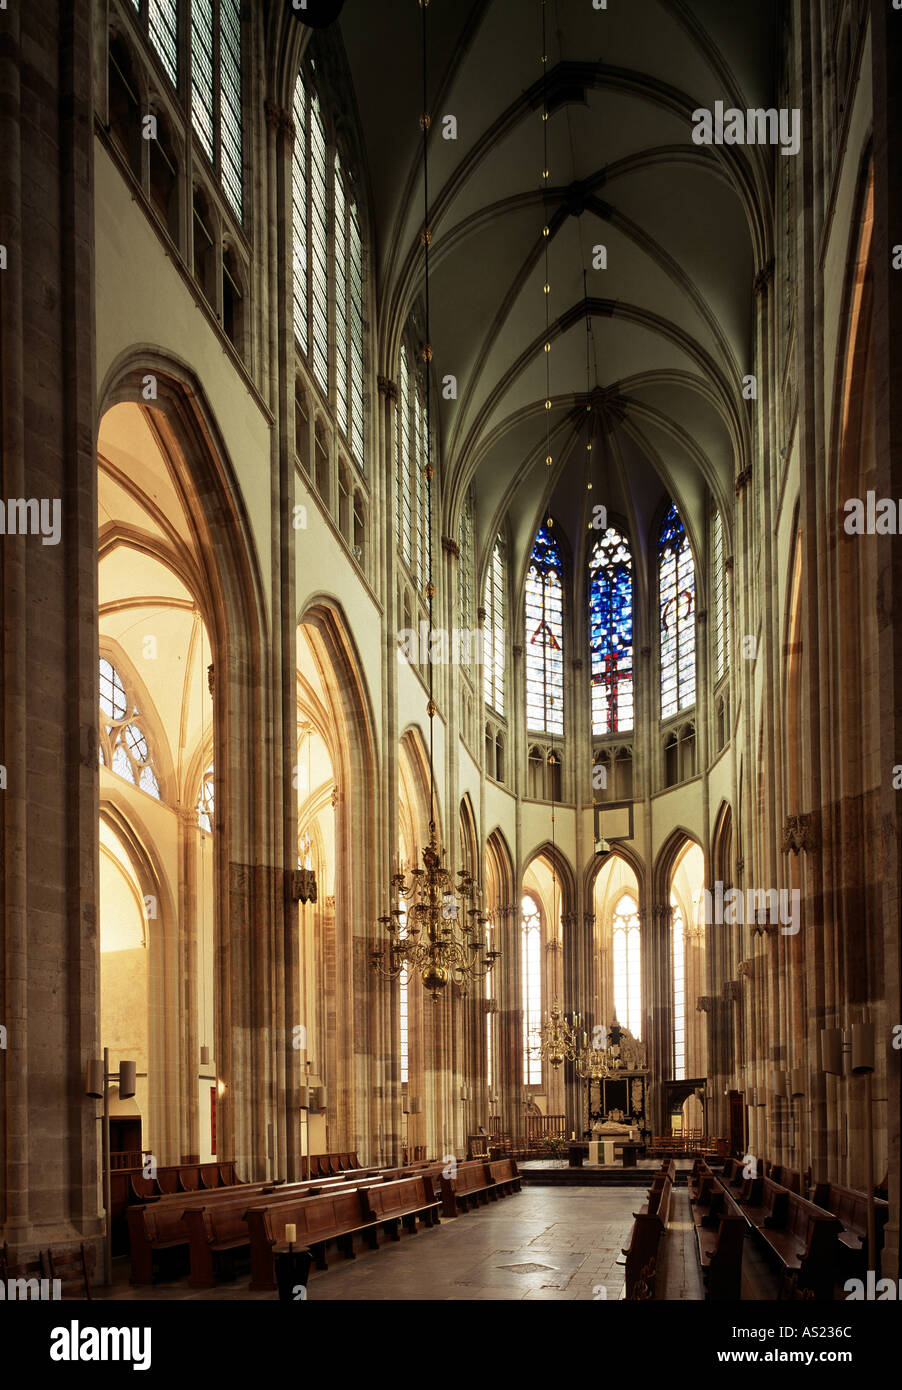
(627, 959)
(545, 637)
(531, 977)
(677, 615)
(721, 582)
(678, 969)
(123, 744)
(493, 630)
(611, 633)
(216, 89)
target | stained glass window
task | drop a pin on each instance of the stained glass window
(531, 976)
(677, 611)
(493, 630)
(545, 637)
(678, 962)
(627, 964)
(611, 633)
(721, 600)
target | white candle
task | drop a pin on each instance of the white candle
(291, 1232)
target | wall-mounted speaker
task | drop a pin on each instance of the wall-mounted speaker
(862, 1048)
(94, 1080)
(319, 1098)
(304, 1097)
(127, 1074)
(797, 1082)
(831, 1050)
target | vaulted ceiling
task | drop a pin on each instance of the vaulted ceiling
(666, 328)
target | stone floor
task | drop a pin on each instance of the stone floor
(545, 1244)
(541, 1244)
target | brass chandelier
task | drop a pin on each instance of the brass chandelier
(440, 938)
(557, 1038)
(431, 935)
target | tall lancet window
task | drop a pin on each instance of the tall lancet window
(677, 610)
(678, 961)
(721, 582)
(216, 88)
(493, 630)
(611, 633)
(545, 637)
(627, 948)
(531, 978)
(465, 566)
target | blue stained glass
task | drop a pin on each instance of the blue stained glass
(611, 634)
(545, 637)
(677, 612)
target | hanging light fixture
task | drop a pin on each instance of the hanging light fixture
(436, 934)
(557, 1038)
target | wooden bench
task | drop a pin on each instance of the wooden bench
(404, 1201)
(318, 1220)
(720, 1229)
(160, 1225)
(504, 1175)
(470, 1187)
(850, 1208)
(801, 1235)
(217, 1228)
(649, 1225)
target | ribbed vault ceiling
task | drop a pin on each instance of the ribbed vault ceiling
(686, 229)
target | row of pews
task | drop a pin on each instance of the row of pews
(687, 1145)
(810, 1241)
(329, 1165)
(649, 1225)
(213, 1228)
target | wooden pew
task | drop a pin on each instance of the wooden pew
(217, 1228)
(801, 1235)
(720, 1231)
(160, 1225)
(850, 1208)
(649, 1225)
(505, 1175)
(470, 1187)
(337, 1216)
(403, 1201)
